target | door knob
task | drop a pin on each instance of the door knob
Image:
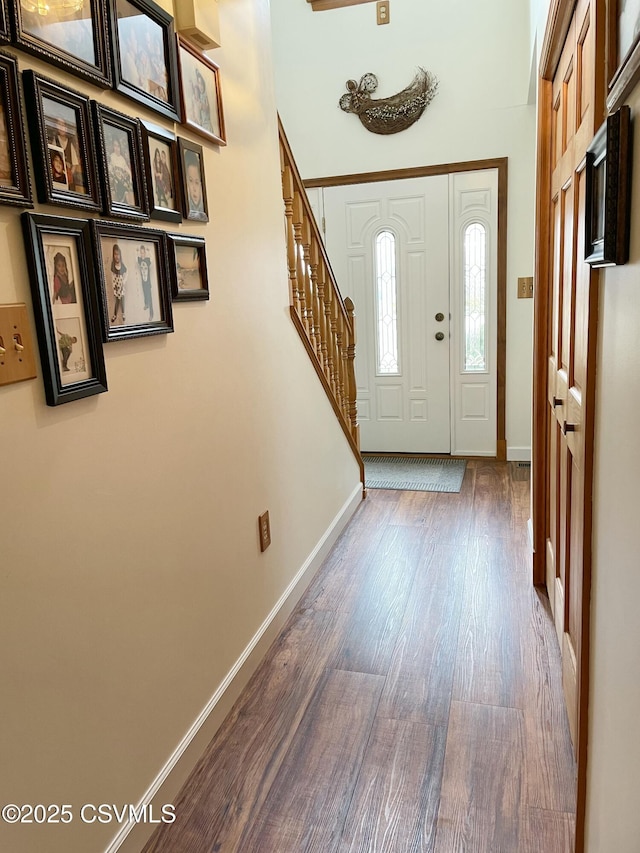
(439, 336)
(439, 316)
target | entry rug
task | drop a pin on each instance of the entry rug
(413, 474)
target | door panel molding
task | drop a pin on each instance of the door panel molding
(501, 164)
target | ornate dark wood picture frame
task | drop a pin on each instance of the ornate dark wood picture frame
(61, 266)
(608, 192)
(76, 42)
(15, 187)
(160, 150)
(62, 144)
(187, 267)
(200, 94)
(133, 273)
(119, 143)
(623, 51)
(5, 28)
(145, 63)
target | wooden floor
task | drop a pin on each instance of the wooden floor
(412, 703)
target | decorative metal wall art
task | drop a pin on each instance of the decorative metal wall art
(393, 114)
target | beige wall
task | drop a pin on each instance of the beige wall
(131, 576)
(480, 53)
(613, 817)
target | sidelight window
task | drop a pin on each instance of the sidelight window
(475, 297)
(387, 303)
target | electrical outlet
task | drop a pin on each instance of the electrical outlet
(525, 288)
(264, 529)
(382, 12)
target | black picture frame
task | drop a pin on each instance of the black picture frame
(56, 110)
(143, 47)
(195, 207)
(608, 192)
(76, 42)
(136, 301)
(5, 29)
(188, 267)
(119, 143)
(15, 186)
(160, 154)
(200, 93)
(60, 261)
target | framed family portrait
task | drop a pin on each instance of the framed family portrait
(120, 155)
(187, 267)
(15, 187)
(623, 49)
(160, 151)
(145, 62)
(65, 303)
(73, 38)
(194, 191)
(608, 192)
(5, 30)
(134, 280)
(62, 142)
(200, 93)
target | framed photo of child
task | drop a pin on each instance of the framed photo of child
(200, 93)
(66, 309)
(194, 190)
(15, 187)
(187, 267)
(60, 123)
(160, 151)
(133, 280)
(120, 154)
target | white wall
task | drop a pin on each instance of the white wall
(131, 577)
(481, 54)
(613, 817)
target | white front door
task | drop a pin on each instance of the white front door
(418, 257)
(388, 243)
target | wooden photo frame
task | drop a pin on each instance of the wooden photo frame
(5, 28)
(200, 94)
(608, 192)
(15, 187)
(160, 152)
(75, 41)
(60, 261)
(62, 143)
(120, 153)
(187, 267)
(133, 274)
(145, 65)
(623, 50)
(192, 176)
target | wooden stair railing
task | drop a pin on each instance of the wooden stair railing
(324, 320)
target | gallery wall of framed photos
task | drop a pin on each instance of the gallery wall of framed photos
(106, 173)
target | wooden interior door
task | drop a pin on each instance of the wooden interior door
(573, 109)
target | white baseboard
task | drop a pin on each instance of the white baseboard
(518, 454)
(278, 615)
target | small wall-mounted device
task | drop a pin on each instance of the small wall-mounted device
(382, 11)
(264, 529)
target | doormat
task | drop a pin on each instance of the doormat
(413, 474)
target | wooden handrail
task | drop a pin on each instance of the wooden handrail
(324, 320)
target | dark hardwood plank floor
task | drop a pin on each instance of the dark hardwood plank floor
(413, 702)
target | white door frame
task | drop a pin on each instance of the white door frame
(501, 164)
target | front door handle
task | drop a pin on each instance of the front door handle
(439, 336)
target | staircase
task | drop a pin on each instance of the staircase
(324, 320)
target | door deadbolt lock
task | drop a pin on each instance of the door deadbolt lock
(439, 316)
(439, 336)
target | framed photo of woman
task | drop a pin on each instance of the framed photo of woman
(74, 40)
(120, 154)
(145, 65)
(160, 151)
(200, 93)
(194, 190)
(63, 145)
(134, 280)
(15, 187)
(65, 303)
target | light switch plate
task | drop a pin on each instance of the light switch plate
(264, 529)
(525, 288)
(17, 353)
